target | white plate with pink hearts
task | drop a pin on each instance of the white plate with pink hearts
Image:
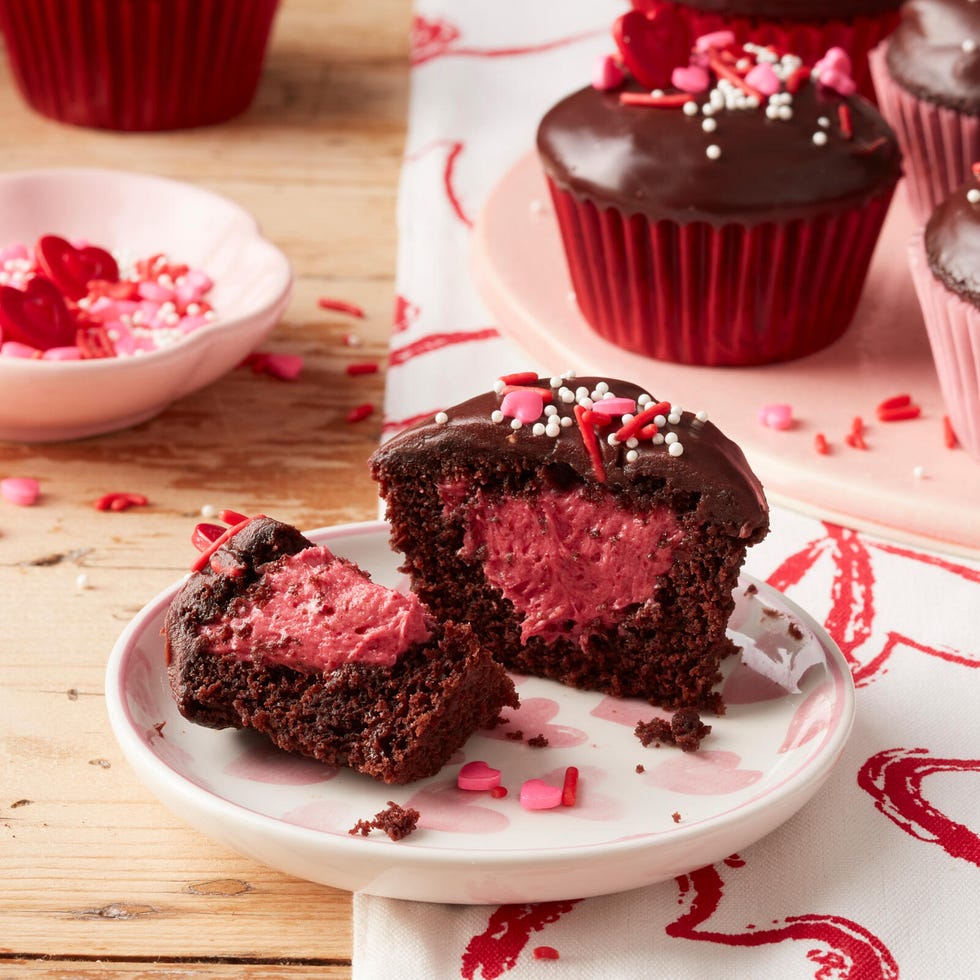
(641, 814)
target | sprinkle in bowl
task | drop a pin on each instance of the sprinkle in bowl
(138, 216)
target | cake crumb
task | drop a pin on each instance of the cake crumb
(640, 767)
(794, 631)
(516, 736)
(538, 742)
(685, 730)
(751, 589)
(396, 821)
(676, 817)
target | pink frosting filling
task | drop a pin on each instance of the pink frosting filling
(313, 610)
(569, 564)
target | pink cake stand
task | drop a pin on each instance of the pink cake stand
(907, 485)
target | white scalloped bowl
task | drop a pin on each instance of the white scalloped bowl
(139, 215)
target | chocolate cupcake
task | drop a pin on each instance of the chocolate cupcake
(806, 27)
(729, 217)
(928, 79)
(945, 262)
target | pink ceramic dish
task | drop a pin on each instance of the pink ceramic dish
(140, 215)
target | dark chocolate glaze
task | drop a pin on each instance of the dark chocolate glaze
(818, 10)
(925, 53)
(652, 161)
(711, 466)
(952, 239)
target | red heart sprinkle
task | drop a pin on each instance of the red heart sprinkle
(653, 45)
(72, 269)
(36, 315)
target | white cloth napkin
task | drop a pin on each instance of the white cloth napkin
(879, 875)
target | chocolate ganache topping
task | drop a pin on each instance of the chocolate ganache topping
(934, 52)
(952, 239)
(787, 9)
(561, 422)
(658, 162)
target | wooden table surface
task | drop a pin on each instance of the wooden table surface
(96, 877)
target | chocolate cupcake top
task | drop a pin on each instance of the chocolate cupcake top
(819, 10)
(952, 239)
(934, 52)
(603, 431)
(730, 133)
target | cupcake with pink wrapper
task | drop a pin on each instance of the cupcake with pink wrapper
(927, 75)
(946, 272)
(806, 27)
(718, 203)
(137, 65)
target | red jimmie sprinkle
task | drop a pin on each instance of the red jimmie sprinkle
(362, 367)
(498, 792)
(857, 425)
(340, 306)
(896, 401)
(204, 535)
(796, 79)
(545, 953)
(205, 556)
(360, 412)
(900, 414)
(820, 444)
(120, 501)
(569, 788)
(949, 434)
(639, 420)
(975, 169)
(231, 516)
(519, 378)
(844, 117)
(855, 440)
(591, 444)
(672, 101)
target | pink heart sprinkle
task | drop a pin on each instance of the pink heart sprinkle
(606, 74)
(715, 39)
(615, 406)
(62, 354)
(690, 78)
(840, 83)
(525, 405)
(14, 348)
(776, 416)
(536, 794)
(836, 59)
(20, 490)
(478, 775)
(763, 79)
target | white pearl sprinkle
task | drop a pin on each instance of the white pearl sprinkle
(676, 449)
(602, 387)
(658, 439)
(553, 430)
(632, 442)
(660, 421)
(566, 421)
(702, 416)
(570, 375)
(820, 138)
(441, 418)
(632, 456)
(498, 386)
(81, 581)
(538, 429)
(550, 410)
(209, 511)
(586, 402)
(555, 382)
(772, 111)
(973, 195)
(657, 93)
(644, 399)
(969, 46)
(670, 438)
(823, 122)
(515, 424)
(919, 473)
(496, 415)
(709, 125)
(612, 440)
(713, 152)
(785, 113)
(536, 206)
(674, 418)
(566, 396)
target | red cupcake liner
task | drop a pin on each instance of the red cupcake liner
(725, 296)
(953, 326)
(808, 39)
(939, 145)
(137, 64)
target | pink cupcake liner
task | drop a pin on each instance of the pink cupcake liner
(137, 64)
(953, 326)
(810, 40)
(939, 144)
(718, 296)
